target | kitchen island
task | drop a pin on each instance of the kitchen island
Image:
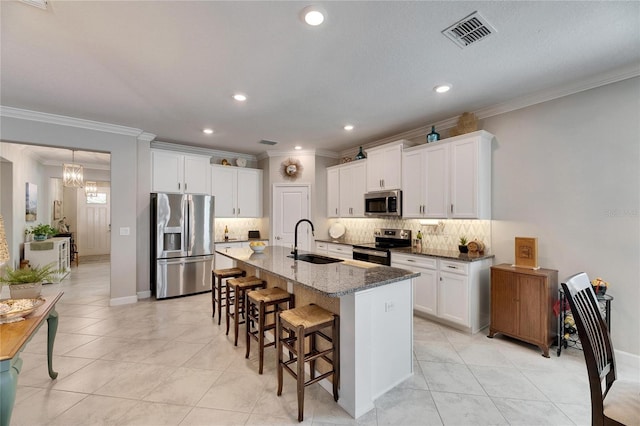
(375, 304)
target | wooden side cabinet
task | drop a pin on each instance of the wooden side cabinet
(522, 304)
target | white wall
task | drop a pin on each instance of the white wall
(567, 171)
(124, 209)
(25, 169)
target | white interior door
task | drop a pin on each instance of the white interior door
(290, 204)
(94, 223)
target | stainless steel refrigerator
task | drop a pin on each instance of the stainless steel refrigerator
(182, 244)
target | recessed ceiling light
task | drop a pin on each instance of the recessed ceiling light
(442, 88)
(207, 131)
(348, 127)
(297, 147)
(312, 16)
(240, 97)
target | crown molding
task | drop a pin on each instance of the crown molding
(62, 120)
(620, 74)
(293, 153)
(167, 146)
(146, 137)
(614, 76)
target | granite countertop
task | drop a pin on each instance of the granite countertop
(444, 254)
(332, 279)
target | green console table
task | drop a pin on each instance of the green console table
(13, 338)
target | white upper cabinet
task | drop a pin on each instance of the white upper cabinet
(346, 186)
(237, 191)
(333, 192)
(174, 172)
(426, 183)
(384, 169)
(449, 179)
(352, 189)
(249, 192)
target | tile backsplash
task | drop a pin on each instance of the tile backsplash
(239, 228)
(443, 236)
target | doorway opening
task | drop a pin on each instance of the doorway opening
(85, 217)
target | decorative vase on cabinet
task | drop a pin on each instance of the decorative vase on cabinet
(433, 136)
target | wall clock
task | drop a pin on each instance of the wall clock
(291, 169)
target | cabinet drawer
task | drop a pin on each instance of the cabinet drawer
(223, 246)
(419, 261)
(322, 246)
(340, 248)
(454, 267)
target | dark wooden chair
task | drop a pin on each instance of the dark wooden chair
(613, 402)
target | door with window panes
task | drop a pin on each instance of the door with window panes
(94, 221)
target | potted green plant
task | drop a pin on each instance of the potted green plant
(27, 283)
(462, 245)
(42, 231)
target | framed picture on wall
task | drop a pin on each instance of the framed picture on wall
(31, 202)
(57, 210)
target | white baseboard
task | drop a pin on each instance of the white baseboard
(123, 300)
(144, 294)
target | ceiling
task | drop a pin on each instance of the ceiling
(170, 68)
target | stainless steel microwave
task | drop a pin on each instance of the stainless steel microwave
(383, 204)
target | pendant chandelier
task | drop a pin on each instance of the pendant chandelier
(91, 188)
(73, 174)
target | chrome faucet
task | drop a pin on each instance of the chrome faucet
(295, 244)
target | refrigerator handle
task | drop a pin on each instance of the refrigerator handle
(187, 224)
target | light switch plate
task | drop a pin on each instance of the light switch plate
(125, 231)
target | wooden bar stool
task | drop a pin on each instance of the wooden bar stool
(301, 322)
(258, 303)
(236, 290)
(218, 292)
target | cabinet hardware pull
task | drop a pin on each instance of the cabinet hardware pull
(451, 208)
(238, 211)
(233, 211)
(452, 267)
(178, 185)
(185, 186)
(410, 260)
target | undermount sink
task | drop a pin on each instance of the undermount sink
(317, 259)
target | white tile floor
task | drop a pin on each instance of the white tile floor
(168, 363)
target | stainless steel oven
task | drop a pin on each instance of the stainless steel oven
(373, 255)
(383, 204)
(380, 251)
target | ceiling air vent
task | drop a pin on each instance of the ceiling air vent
(266, 142)
(469, 30)
(42, 4)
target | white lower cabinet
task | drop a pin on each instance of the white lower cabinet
(425, 287)
(223, 262)
(322, 247)
(55, 251)
(342, 251)
(453, 292)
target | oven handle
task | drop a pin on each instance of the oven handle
(370, 252)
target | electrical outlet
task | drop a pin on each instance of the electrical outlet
(389, 306)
